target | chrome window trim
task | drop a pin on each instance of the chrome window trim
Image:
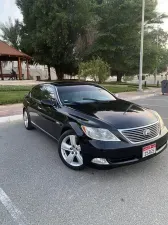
(58, 98)
(135, 128)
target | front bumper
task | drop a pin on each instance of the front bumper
(121, 153)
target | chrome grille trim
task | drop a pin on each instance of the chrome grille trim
(136, 136)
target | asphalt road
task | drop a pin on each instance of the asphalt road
(37, 189)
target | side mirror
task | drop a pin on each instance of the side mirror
(48, 103)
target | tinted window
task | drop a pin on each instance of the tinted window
(50, 92)
(43, 92)
(36, 92)
(83, 93)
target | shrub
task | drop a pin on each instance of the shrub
(96, 69)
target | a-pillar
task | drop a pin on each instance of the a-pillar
(1, 71)
(19, 69)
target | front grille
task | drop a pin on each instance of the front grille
(141, 134)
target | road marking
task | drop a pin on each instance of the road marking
(15, 213)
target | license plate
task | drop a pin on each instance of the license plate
(148, 150)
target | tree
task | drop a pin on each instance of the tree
(14, 33)
(118, 40)
(96, 69)
(53, 27)
(163, 62)
(11, 32)
(155, 51)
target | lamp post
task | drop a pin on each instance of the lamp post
(157, 53)
(142, 46)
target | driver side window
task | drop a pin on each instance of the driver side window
(44, 92)
(49, 93)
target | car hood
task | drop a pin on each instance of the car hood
(119, 113)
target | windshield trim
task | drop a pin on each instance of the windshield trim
(58, 97)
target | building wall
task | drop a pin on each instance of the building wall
(35, 70)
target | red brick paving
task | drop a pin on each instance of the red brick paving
(10, 110)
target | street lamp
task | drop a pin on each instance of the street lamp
(157, 53)
(142, 46)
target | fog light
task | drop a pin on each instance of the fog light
(100, 161)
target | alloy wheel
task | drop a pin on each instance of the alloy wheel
(71, 151)
(25, 118)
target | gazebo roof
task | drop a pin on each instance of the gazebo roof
(8, 53)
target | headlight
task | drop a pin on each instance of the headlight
(160, 120)
(99, 134)
(161, 123)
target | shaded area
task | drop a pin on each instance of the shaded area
(8, 53)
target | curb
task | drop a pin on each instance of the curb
(142, 97)
(8, 119)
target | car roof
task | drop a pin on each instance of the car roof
(69, 83)
(65, 84)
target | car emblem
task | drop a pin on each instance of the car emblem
(146, 132)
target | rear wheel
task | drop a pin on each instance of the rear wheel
(27, 120)
(70, 150)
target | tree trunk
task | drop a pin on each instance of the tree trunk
(49, 72)
(154, 78)
(60, 74)
(119, 77)
(1, 73)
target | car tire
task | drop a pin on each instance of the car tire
(70, 150)
(27, 120)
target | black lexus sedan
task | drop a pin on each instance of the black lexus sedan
(92, 125)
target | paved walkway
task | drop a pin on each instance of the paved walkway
(11, 110)
(137, 95)
(20, 82)
(16, 109)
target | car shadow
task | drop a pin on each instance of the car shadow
(106, 173)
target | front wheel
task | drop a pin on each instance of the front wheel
(27, 120)
(70, 150)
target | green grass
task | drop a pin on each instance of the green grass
(131, 84)
(15, 94)
(120, 88)
(14, 88)
(11, 97)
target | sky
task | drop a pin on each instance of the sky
(9, 9)
(163, 8)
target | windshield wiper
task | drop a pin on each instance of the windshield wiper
(96, 100)
(128, 108)
(71, 103)
(80, 102)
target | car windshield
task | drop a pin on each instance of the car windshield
(83, 94)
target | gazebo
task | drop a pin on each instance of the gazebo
(8, 53)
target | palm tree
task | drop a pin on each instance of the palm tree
(11, 32)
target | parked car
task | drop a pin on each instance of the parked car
(92, 125)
